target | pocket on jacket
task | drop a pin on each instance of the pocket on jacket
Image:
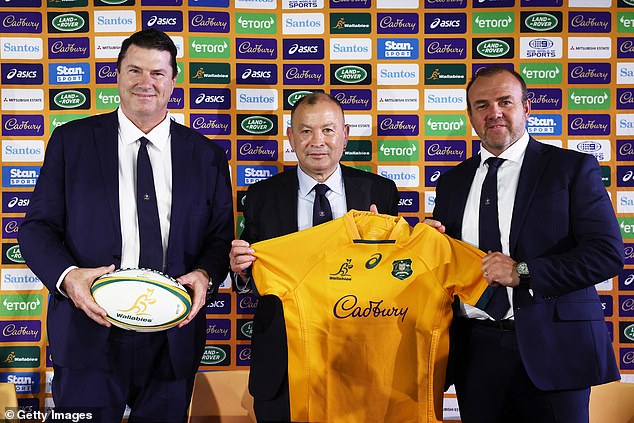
(579, 310)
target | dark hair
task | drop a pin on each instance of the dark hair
(494, 70)
(153, 39)
(314, 98)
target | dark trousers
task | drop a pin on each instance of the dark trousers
(276, 409)
(139, 374)
(493, 387)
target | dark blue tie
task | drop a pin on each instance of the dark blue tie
(151, 244)
(321, 207)
(489, 235)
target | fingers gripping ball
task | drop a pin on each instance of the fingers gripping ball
(142, 300)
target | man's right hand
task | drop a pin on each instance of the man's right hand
(241, 257)
(435, 224)
(77, 285)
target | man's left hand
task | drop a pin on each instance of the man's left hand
(197, 281)
(499, 269)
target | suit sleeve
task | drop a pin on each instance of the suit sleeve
(41, 235)
(214, 253)
(593, 249)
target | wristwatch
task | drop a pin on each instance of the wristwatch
(522, 271)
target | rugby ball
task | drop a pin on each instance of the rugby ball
(141, 300)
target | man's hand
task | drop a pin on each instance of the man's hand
(435, 224)
(77, 285)
(197, 281)
(241, 257)
(499, 269)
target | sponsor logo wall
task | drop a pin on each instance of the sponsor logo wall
(399, 68)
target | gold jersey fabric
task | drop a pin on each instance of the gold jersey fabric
(367, 305)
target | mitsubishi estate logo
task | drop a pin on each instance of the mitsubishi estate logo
(402, 269)
(342, 274)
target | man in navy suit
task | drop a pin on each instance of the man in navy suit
(82, 223)
(283, 204)
(559, 237)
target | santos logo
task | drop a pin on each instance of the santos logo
(22, 151)
(405, 74)
(403, 176)
(21, 48)
(19, 280)
(625, 201)
(445, 99)
(624, 124)
(303, 23)
(115, 21)
(350, 48)
(625, 73)
(256, 99)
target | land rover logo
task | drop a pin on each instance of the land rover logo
(257, 125)
(68, 22)
(296, 96)
(350, 74)
(630, 2)
(14, 254)
(113, 1)
(493, 48)
(213, 355)
(629, 332)
(69, 99)
(247, 329)
(541, 21)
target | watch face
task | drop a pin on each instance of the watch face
(522, 269)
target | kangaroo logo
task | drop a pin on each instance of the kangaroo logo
(342, 273)
(10, 358)
(141, 304)
(340, 23)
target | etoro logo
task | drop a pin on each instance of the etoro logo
(209, 47)
(68, 22)
(255, 23)
(588, 99)
(445, 125)
(541, 73)
(492, 22)
(21, 305)
(398, 151)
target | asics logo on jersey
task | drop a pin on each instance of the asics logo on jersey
(373, 261)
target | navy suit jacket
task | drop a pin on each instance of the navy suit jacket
(271, 211)
(73, 220)
(563, 226)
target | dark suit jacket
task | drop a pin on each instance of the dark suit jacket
(271, 211)
(563, 226)
(73, 219)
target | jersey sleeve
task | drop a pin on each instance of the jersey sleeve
(456, 264)
(280, 263)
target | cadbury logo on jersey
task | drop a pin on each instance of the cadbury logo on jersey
(348, 306)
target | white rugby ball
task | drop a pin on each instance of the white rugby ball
(142, 300)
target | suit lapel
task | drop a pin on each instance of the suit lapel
(460, 192)
(106, 139)
(182, 151)
(357, 192)
(535, 161)
(287, 201)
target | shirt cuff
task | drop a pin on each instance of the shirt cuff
(58, 285)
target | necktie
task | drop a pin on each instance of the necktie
(489, 234)
(321, 207)
(151, 244)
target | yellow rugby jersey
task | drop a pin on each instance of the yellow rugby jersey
(367, 306)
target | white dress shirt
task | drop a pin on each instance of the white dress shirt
(160, 152)
(336, 195)
(507, 178)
